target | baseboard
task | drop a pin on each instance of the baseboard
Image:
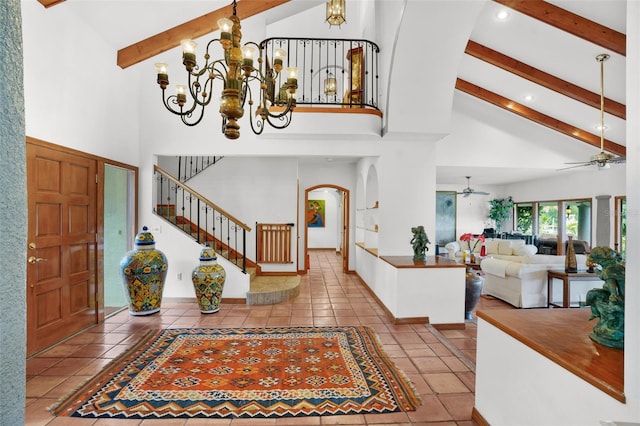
(229, 300)
(477, 417)
(234, 300)
(450, 326)
(396, 321)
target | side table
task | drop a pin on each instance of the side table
(566, 279)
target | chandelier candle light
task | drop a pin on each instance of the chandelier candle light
(236, 70)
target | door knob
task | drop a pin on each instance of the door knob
(33, 259)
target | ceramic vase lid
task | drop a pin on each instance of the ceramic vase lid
(144, 238)
(207, 253)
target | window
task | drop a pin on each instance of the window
(524, 218)
(553, 221)
(548, 219)
(578, 219)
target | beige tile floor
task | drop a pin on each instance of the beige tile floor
(440, 364)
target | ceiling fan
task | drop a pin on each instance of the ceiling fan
(602, 160)
(468, 190)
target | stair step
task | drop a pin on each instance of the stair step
(271, 290)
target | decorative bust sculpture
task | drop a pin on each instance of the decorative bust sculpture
(607, 303)
(419, 241)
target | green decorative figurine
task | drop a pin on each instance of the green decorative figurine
(607, 303)
(419, 241)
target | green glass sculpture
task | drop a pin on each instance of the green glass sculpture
(607, 303)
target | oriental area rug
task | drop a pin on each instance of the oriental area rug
(246, 373)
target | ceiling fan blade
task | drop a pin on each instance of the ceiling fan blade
(573, 167)
(618, 160)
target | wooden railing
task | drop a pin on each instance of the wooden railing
(200, 218)
(273, 242)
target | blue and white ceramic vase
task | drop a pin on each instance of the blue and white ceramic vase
(208, 281)
(143, 271)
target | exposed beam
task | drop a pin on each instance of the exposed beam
(539, 117)
(571, 23)
(195, 28)
(49, 3)
(544, 79)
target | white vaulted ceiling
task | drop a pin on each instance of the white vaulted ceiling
(491, 131)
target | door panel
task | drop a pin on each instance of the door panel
(61, 272)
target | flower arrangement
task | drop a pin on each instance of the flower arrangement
(469, 238)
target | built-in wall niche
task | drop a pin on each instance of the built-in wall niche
(360, 211)
(372, 204)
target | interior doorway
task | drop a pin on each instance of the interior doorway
(327, 219)
(119, 232)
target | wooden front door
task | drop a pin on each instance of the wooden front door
(61, 252)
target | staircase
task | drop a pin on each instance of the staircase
(205, 222)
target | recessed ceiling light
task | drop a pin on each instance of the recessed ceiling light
(502, 15)
(529, 98)
(600, 127)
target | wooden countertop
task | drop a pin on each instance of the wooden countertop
(430, 262)
(562, 335)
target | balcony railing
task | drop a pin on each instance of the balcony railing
(353, 64)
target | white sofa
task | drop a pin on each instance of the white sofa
(523, 283)
(496, 248)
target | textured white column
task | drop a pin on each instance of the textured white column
(13, 220)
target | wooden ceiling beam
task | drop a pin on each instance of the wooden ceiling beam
(49, 3)
(544, 79)
(538, 117)
(194, 28)
(571, 23)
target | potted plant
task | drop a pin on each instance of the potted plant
(500, 210)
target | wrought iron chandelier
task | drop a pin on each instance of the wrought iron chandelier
(336, 12)
(236, 71)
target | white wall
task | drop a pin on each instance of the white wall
(472, 211)
(75, 95)
(335, 174)
(326, 236)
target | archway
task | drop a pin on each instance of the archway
(344, 219)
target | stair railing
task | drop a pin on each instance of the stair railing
(189, 166)
(200, 218)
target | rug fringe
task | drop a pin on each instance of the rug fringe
(403, 379)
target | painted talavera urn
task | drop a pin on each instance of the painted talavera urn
(208, 281)
(143, 271)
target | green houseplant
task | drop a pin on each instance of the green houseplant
(500, 210)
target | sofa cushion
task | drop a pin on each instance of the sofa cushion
(547, 259)
(525, 250)
(504, 247)
(492, 246)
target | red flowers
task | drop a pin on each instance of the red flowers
(468, 237)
